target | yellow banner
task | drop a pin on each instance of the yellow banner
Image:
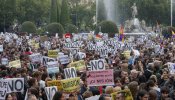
(126, 92)
(55, 83)
(79, 65)
(36, 45)
(71, 85)
(16, 64)
(52, 53)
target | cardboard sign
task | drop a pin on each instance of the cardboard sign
(171, 67)
(15, 85)
(64, 59)
(100, 78)
(103, 53)
(1, 48)
(70, 72)
(33, 67)
(52, 53)
(16, 64)
(50, 92)
(3, 89)
(4, 61)
(37, 57)
(55, 83)
(46, 59)
(79, 65)
(96, 65)
(74, 51)
(52, 67)
(71, 85)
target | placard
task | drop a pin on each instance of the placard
(3, 89)
(64, 59)
(46, 59)
(1, 48)
(70, 72)
(50, 92)
(96, 65)
(81, 55)
(171, 67)
(15, 85)
(37, 57)
(96, 97)
(79, 65)
(4, 61)
(100, 78)
(52, 53)
(16, 64)
(52, 67)
(55, 83)
(71, 85)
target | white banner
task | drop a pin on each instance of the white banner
(96, 65)
(1, 48)
(50, 92)
(70, 72)
(36, 57)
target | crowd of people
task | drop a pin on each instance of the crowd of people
(144, 75)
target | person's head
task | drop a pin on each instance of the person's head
(33, 82)
(33, 91)
(133, 86)
(31, 97)
(9, 96)
(58, 96)
(59, 76)
(142, 95)
(134, 73)
(125, 80)
(118, 82)
(109, 90)
(87, 94)
(164, 92)
(37, 75)
(116, 89)
(153, 95)
(124, 74)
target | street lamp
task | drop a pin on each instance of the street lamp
(172, 12)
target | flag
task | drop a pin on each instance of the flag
(173, 34)
(121, 34)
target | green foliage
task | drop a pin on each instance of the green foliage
(28, 27)
(107, 27)
(40, 31)
(64, 16)
(55, 28)
(70, 28)
(167, 31)
(53, 11)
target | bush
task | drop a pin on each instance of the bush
(28, 27)
(167, 31)
(55, 28)
(70, 28)
(107, 27)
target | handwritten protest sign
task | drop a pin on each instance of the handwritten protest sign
(3, 89)
(71, 85)
(70, 72)
(37, 57)
(4, 61)
(96, 65)
(16, 64)
(15, 85)
(52, 53)
(1, 48)
(55, 83)
(52, 67)
(171, 67)
(50, 92)
(64, 59)
(100, 78)
(81, 55)
(127, 54)
(79, 65)
(46, 59)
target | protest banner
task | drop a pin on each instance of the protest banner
(3, 89)
(70, 72)
(79, 65)
(55, 83)
(64, 59)
(81, 55)
(96, 65)
(171, 67)
(33, 66)
(52, 53)
(50, 92)
(36, 45)
(71, 85)
(16, 64)
(74, 51)
(103, 52)
(15, 85)
(46, 59)
(1, 48)
(4, 61)
(126, 92)
(37, 57)
(127, 54)
(52, 67)
(100, 78)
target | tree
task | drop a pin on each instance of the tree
(167, 31)
(28, 27)
(53, 11)
(54, 28)
(70, 28)
(107, 27)
(64, 16)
